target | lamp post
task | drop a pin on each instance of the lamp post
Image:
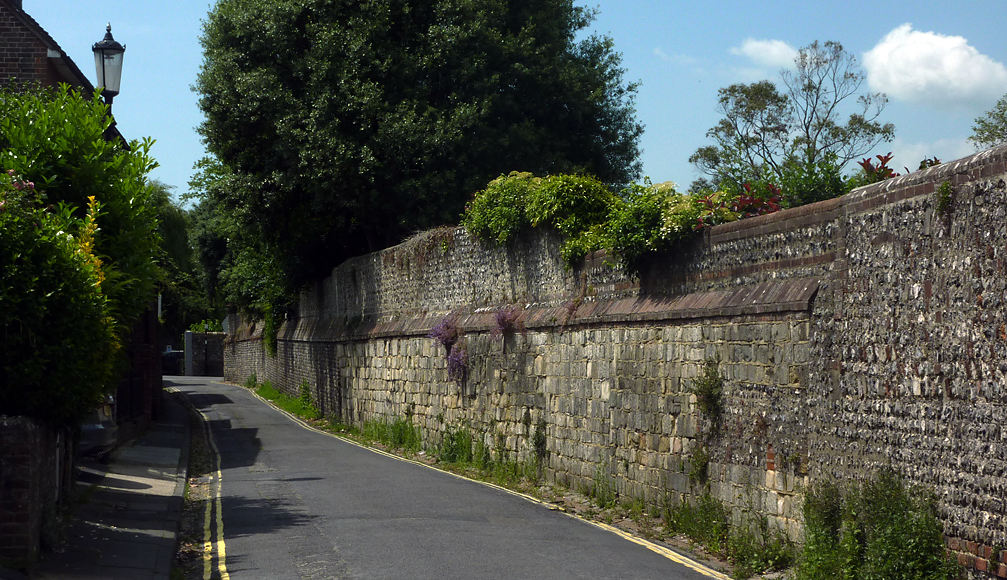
(108, 65)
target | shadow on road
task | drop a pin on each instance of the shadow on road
(249, 517)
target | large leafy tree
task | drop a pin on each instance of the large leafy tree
(343, 127)
(802, 137)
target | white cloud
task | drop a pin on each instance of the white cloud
(932, 68)
(769, 53)
(682, 59)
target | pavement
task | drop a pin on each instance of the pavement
(127, 523)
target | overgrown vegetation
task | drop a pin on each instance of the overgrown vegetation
(640, 220)
(57, 339)
(55, 138)
(882, 529)
(78, 249)
(749, 543)
(397, 434)
(302, 405)
(602, 489)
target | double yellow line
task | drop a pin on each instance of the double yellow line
(214, 534)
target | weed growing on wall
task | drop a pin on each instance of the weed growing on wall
(945, 197)
(709, 390)
(883, 529)
(699, 466)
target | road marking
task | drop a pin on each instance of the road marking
(221, 547)
(660, 550)
(214, 534)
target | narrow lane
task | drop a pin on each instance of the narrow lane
(300, 504)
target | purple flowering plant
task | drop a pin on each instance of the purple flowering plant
(458, 364)
(446, 332)
(508, 321)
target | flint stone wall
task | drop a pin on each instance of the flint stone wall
(852, 334)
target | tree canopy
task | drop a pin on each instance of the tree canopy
(991, 129)
(343, 127)
(797, 138)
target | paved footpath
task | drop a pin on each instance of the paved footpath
(128, 527)
(294, 503)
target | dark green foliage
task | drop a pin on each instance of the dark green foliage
(706, 522)
(456, 446)
(883, 529)
(574, 205)
(183, 301)
(238, 271)
(400, 433)
(55, 138)
(56, 340)
(805, 183)
(347, 126)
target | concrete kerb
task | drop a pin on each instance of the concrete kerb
(177, 501)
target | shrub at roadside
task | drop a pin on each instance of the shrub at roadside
(883, 529)
(56, 336)
(54, 137)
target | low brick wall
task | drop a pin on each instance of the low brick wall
(853, 334)
(29, 480)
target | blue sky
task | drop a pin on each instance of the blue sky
(940, 64)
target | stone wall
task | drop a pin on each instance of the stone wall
(852, 334)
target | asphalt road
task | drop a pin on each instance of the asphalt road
(298, 504)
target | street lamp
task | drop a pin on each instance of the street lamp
(108, 64)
